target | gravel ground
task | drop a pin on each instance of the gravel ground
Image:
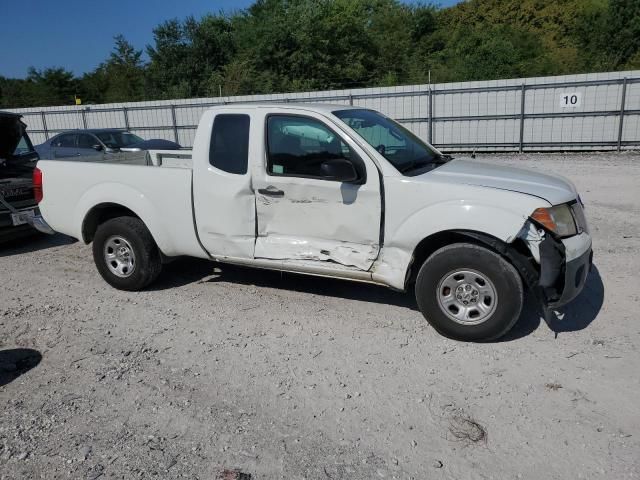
(284, 376)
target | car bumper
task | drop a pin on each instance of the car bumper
(565, 267)
(39, 224)
(35, 220)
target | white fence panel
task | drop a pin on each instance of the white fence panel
(545, 113)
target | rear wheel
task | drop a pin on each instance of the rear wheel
(469, 293)
(125, 253)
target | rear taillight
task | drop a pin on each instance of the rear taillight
(37, 184)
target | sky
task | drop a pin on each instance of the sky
(78, 34)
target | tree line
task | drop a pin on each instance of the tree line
(298, 45)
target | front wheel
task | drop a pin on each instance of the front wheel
(468, 292)
(125, 253)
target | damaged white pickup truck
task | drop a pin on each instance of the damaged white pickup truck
(332, 191)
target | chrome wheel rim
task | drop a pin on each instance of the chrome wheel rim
(467, 297)
(119, 256)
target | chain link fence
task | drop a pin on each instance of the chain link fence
(599, 111)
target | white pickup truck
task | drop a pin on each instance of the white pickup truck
(333, 191)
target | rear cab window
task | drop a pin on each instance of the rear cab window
(229, 145)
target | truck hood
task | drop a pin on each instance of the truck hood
(552, 188)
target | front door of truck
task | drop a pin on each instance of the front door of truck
(224, 203)
(305, 215)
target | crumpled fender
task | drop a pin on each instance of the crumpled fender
(499, 222)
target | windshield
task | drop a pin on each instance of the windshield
(118, 139)
(405, 151)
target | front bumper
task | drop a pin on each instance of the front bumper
(564, 268)
(575, 277)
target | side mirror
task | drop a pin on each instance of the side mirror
(97, 147)
(339, 170)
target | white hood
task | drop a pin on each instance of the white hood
(553, 188)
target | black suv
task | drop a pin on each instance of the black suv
(17, 161)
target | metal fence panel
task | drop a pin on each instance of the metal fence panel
(575, 112)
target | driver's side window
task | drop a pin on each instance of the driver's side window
(297, 146)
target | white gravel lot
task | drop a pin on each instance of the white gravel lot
(292, 377)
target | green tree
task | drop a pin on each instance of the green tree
(51, 86)
(489, 53)
(307, 44)
(609, 35)
(186, 54)
(293, 45)
(124, 71)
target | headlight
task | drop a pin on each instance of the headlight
(558, 219)
(578, 214)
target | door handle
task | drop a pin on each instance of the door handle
(271, 191)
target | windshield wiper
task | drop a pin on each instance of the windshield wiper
(415, 165)
(420, 163)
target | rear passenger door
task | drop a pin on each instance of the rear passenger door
(225, 204)
(64, 146)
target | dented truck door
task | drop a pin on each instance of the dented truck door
(310, 206)
(224, 206)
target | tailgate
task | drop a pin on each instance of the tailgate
(17, 192)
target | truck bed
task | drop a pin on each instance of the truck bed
(156, 158)
(155, 185)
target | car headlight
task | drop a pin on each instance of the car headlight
(558, 219)
(578, 214)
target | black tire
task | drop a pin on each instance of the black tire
(439, 271)
(147, 261)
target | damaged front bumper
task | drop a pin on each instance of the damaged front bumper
(564, 268)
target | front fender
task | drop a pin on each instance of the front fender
(499, 222)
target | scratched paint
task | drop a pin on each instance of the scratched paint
(286, 248)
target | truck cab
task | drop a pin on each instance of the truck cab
(335, 191)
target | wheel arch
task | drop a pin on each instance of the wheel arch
(99, 214)
(516, 252)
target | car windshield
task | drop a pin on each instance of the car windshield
(118, 139)
(405, 151)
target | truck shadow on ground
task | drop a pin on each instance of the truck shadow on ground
(15, 362)
(576, 316)
(188, 270)
(32, 243)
